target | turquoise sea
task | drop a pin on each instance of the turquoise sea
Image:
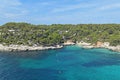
(68, 63)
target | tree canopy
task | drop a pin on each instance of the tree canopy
(29, 34)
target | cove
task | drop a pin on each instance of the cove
(68, 63)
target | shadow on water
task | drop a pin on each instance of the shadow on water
(113, 59)
(28, 54)
(33, 74)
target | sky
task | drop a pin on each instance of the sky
(60, 11)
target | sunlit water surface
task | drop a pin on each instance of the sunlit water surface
(68, 63)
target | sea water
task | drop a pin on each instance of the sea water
(68, 63)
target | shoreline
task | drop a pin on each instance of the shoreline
(27, 48)
(104, 45)
(85, 45)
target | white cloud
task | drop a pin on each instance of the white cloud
(9, 3)
(45, 3)
(11, 9)
(15, 15)
(111, 6)
(72, 7)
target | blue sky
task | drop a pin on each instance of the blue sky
(60, 11)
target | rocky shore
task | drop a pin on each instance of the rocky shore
(99, 45)
(82, 44)
(13, 47)
(26, 48)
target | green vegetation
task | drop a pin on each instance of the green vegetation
(28, 34)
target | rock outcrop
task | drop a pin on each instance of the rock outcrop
(26, 48)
